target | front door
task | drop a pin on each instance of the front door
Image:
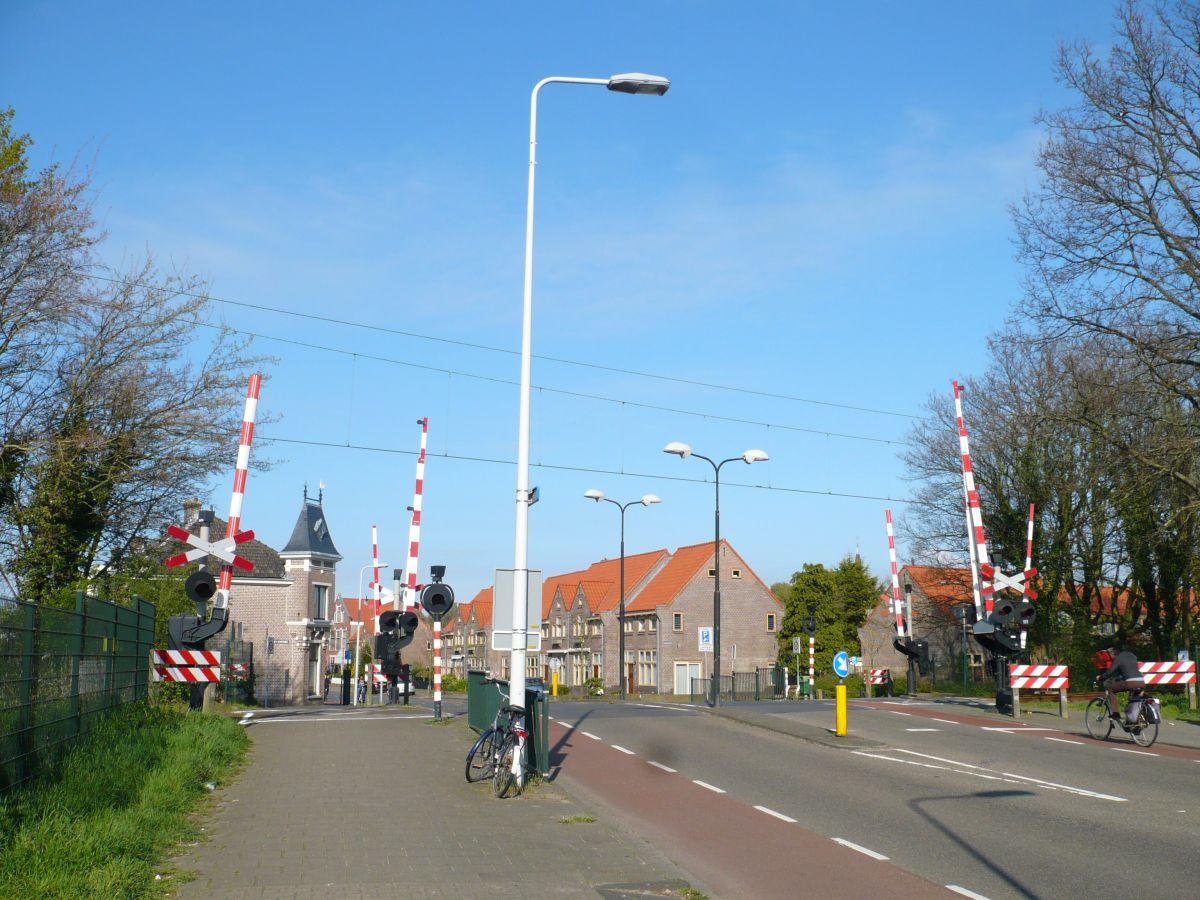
(314, 669)
(684, 673)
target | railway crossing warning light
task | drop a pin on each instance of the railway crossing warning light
(1007, 619)
(810, 621)
(438, 598)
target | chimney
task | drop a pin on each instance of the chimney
(191, 512)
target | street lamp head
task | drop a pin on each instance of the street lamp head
(594, 494)
(651, 498)
(753, 456)
(639, 83)
(680, 449)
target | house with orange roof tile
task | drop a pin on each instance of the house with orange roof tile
(668, 598)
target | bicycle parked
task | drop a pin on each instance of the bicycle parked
(1142, 715)
(499, 751)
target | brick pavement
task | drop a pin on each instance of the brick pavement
(374, 804)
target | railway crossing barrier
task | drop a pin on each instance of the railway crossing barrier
(1039, 678)
(1172, 673)
(879, 678)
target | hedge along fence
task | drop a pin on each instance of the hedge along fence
(60, 669)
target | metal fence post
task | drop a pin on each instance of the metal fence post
(25, 694)
(80, 618)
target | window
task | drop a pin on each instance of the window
(736, 573)
(677, 621)
(641, 625)
(652, 625)
(595, 628)
(712, 573)
(647, 671)
(770, 621)
(320, 601)
(628, 626)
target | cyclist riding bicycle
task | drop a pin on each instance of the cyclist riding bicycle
(1122, 675)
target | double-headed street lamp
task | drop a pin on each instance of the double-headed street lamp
(646, 500)
(631, 83)
(683, 451)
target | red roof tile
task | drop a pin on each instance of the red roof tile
(682, 567)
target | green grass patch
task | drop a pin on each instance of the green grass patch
(103, 822)
(576, 820)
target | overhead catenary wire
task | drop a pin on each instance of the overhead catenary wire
(583, 395)
(385, 329)
(593, 470)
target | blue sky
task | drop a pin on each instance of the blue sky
(816, 210)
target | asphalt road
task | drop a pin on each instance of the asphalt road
(953, 797)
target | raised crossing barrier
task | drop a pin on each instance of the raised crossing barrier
(1047, 677)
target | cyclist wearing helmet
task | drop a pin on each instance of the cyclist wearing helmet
(1122, 675)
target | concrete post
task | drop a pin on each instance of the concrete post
(1062, 702)
(1016, 692)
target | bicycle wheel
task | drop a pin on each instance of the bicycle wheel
(1096, 717)
(481, 757)
(504, 781)
(1144, 733)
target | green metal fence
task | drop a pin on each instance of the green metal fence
(61, 669)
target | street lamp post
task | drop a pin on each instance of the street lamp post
(960, 613)
(631, 83)
(683, 451)
(646, 500)
(358, 645)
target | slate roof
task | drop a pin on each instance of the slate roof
(311, 536)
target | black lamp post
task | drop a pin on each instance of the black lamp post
(683, 451)
(646, 500)
(960, 613)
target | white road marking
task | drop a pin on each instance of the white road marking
(1052, 785)
(947, 721)
(659, 765)
(653, 706)
(922, 729)
(1009, 729)
(711, 787)
(771, 812)
(1064, 741)
(959, 889)
(589, 734)
(898, 713)
(293, 720)
(859, 848)
(1138, 752)
(622, 749)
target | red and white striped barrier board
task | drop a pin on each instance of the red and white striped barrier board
(879, 676)
(238, 672)
(190, 674)
(1039, 677)
(186, 657)
(1169, 672)
(377, 676)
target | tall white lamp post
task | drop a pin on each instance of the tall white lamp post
(646, 500)
(631, 83)
(683, 451)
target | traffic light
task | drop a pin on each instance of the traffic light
(810, 621)
(1001, 631)
(921, 652)
(438, 598)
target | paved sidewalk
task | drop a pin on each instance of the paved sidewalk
(373, 804)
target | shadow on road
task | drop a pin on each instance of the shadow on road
(916, 805)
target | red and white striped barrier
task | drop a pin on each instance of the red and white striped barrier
(414, 527)
(1044, 677)
(375, 585)
(377, 676)
(879, 676)
(1169, 672)
(240, 473)
(189, 674)
(901, 626)
(186, 657)
(237, 672)
(977, 542)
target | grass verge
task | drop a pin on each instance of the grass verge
(102, 824)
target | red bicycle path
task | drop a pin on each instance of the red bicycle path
(737, 850)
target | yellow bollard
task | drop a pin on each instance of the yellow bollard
(841, 710)
(554, 684)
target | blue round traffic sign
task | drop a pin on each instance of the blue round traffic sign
(841, 664)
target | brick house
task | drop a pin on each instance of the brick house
(668, 597)
(288, 596)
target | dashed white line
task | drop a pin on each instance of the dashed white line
(1064, 741)
(859, 848)
(922, 729)
(659, 765)
(622, 749)
(947, 721)
(589, 734)
(959, 889)
(1009, 729)
(897, 712)
(771, 812)
(1138, 752)
(707, 786)
(653, 706)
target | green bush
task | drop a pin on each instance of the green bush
(453, 684)
(102, 823)
(593, 687)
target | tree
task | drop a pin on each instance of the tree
(843, 597)
(112, 409)
(1111, 237)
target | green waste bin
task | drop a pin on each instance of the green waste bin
(484, 699)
